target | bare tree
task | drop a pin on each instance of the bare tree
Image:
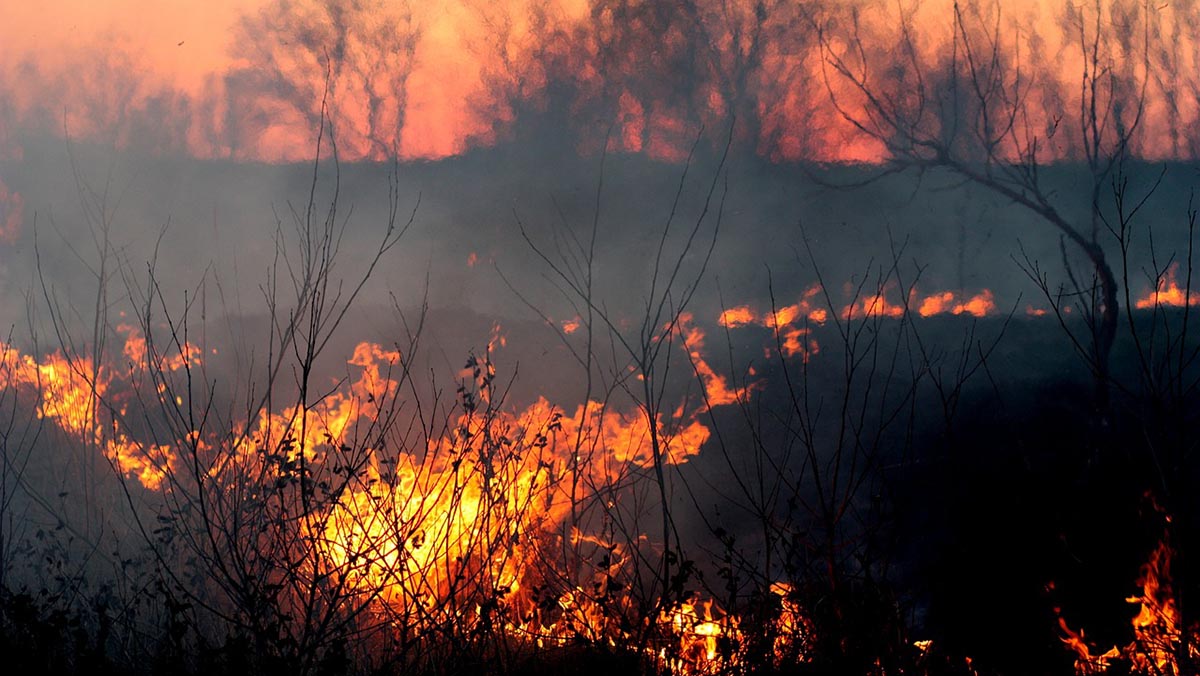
(367, 48)
(979, 112)
(655, 70)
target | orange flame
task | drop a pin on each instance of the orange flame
(71, 393)
(794, 340)
(1158, 636)
(873, 305)
(1167, 293)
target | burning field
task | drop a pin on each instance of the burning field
(713, 337)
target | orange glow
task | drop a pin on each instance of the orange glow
(873, 305)
(736, 316)
(186, 355)
(717, 391)
(979, 305)
(794, 340)
(936, 304)
(428, 80)
(1168, 293)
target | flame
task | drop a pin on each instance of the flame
(791, 323)
(1158, 636)
(457, 531)
(464, 527)
(70, 393)
(707, 640)
(877, 304)
(736, 316)
(979, 305)
(1167, 292)
(716, 389)
(187, 355)
(697, 631)
(872, 305)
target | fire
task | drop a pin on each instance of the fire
(1032, 311)
(708, 640)
(464, 524)
(716, 389)
(466, 528)
(979, 305)
(872, 305)
(1158, 634)
(697, 631)
(791, 323)
(1167, 292)
(877, 304)
(71, 393)
(187, 356)
(461, 530)
(736, 316)
(431, 531)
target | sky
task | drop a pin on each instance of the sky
(187, 75)
(183, 41)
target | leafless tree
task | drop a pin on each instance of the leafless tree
(367, 50)
(978, 112)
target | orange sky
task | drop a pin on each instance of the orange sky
(152, 29)
(181, 45)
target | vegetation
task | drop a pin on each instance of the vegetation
(857, 480)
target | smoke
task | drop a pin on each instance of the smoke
(247, 80)
(502, 116)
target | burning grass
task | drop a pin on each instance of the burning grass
(502, 524)
(519, 531)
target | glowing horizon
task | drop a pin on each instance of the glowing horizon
(194, 77)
